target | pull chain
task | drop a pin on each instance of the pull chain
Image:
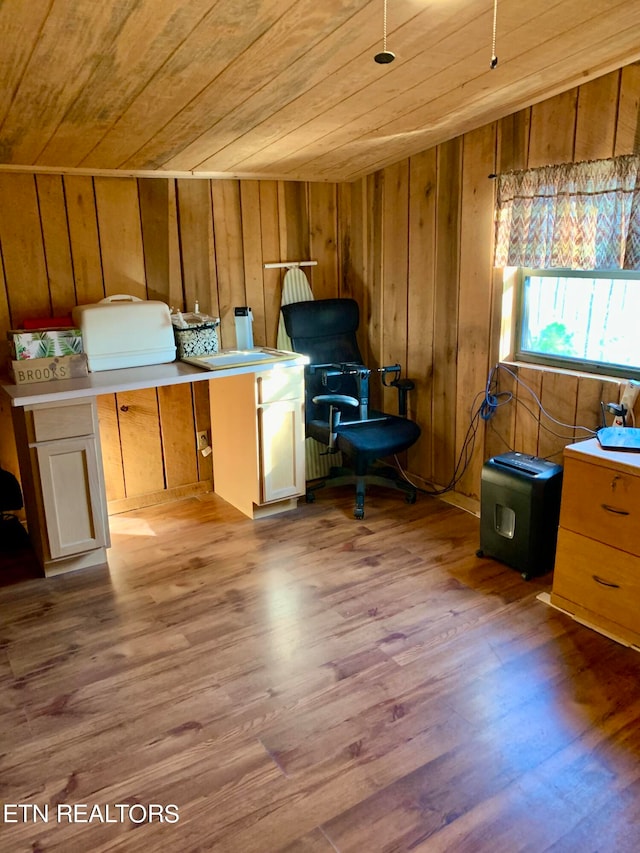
(385, 56)
(494, 58)
(384, 26)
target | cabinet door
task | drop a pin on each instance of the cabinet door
(71, 495)
(281, 450)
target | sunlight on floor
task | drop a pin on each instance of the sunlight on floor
(287, 623)
(130, 526)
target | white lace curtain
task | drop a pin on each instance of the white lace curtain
(573, 216)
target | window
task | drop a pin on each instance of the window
(588, 321)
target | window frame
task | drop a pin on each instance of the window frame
(558, 361)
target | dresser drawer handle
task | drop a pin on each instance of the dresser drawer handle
(605, 583)
(614, 509)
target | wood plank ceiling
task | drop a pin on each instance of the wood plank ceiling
(282, 88)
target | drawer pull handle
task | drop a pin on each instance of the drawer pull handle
(124, 408)
(605, 583)
(614, 509)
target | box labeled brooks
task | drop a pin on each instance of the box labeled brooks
(58, 367)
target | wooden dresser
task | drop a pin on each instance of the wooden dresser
(597, 567)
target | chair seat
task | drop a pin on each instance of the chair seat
(369, 440)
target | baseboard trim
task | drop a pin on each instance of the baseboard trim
(159, 497)
(468, 504)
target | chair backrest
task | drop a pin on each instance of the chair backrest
(325, 331)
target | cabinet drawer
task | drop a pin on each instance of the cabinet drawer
(601, 579)
(50, 423)
(602, 504)
(284, 384)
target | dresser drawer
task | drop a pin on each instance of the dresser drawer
(602, 504)
(602, 580)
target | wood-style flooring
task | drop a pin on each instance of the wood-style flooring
(309, 683)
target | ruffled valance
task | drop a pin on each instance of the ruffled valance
(573, 216)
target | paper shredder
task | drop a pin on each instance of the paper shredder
(520, 511)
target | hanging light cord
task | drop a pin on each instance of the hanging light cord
(384, 26)
(385, 56)
(494, 58)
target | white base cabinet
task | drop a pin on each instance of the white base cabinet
(257, 436)
(61, 470)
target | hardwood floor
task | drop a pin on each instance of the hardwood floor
(309, 683)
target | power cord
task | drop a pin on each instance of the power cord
(464, 457)
(540, 406)
(492, 399)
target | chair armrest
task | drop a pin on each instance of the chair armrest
(336, 400)
(403, 386)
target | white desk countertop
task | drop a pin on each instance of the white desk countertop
(135, 378)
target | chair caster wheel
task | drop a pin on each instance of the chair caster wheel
(358, 512)
(410, 498)
(479, 553)
(310, 497)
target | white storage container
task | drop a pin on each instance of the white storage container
(124, 331)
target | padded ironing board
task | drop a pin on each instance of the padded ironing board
(295, 288)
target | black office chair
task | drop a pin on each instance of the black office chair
(337, 398)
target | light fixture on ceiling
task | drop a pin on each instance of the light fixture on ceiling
(385, 56)
(494, 58)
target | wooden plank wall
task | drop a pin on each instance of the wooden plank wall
(436, 297)
(67, 240)
(412, 243)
